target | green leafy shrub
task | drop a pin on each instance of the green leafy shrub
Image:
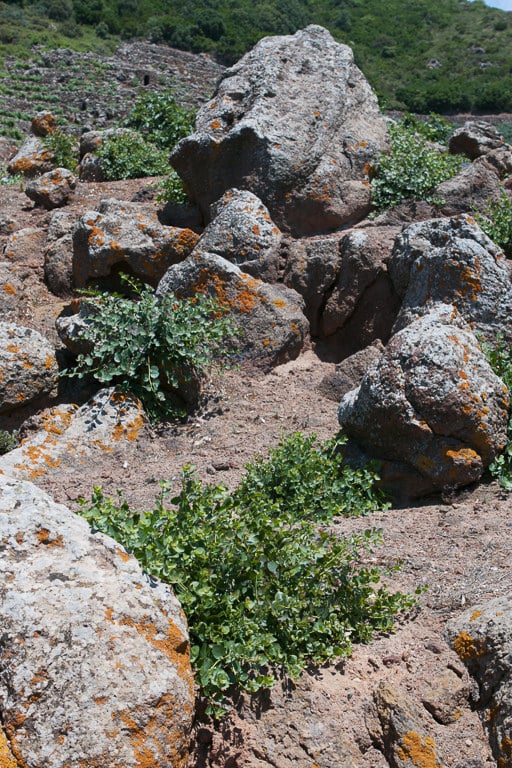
(410, 170)
(433, 128)
(154, 347)
(64, 147)
(499, 356)
(265, 588)
(160, 118)
(171, 189)
(129, 156)
(496, 222)
(8, 441)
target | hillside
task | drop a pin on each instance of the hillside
(431, 55)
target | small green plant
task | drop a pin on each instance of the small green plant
(410, 170)
(64, 147)
(171, 189)
(160, 118)
(496, 222)
(433, 128)
(266, 588)
(154, 347)
(8, 441)
(128, 155)
(499, 356)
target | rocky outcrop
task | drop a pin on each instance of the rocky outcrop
(452, 261)
(53, 189)
(58, 253)
(28, 368)
(469, 190)
(126, 236)
(294, 122)
(94, 659)
(270, 319)
(431, 404)
(475, 138)
(482, 637)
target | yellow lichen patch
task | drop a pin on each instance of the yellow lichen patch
(9, 289)
(115, 246)
(215, 125)
(420, 752)
(7, 759)
(475, 615)
(466, 647)
(173, 644)
(21, 397)
(125, 557)
(129, 431)
(280, 303)
(463, 454)
(27, 365)
(13, 349)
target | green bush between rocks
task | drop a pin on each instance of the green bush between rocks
(499, 356)
(496, 222)
(129, 155)
(266, 587)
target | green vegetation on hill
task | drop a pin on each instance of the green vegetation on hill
(430, 55)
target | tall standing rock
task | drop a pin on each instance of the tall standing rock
(296, 123)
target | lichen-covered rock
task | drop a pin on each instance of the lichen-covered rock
(431, 403)
(296, 123)
(482, 637)
(53, 189)
(32, 159)
(469, 190)
(270, 318)
(242, 232)
(58, 253)
(397, 728)
(475, 138)
(452, 261)
(28, 368)
(11, 290)
(122, 233)
(94, 660)
(43, 123)
(66, 436)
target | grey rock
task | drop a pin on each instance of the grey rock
(11, 290)
(32, 159)
(431, 404)
(445, 697)
(242, 232)
(452, 261)
(294, 122)
(58, 254)
(95, 665)
(469, 190)
(53, 189)
(474, 139)
(349, 373)
(28, 368)
(270, 319)
(122, 234)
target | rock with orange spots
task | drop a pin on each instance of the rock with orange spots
(452, 261)
(32, 159)
(53, 189)
(43, 123)
(242, 232)
(470, 190)
(28, 368)
(431, 405)
(11, 290)
(270, 318)
(64, 437)
(482, 637)
(400, 731)
(58, 253)
(296, 123)
(122, 236)
(350, 300)
(94, 660)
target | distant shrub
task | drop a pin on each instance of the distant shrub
(411, 169)
(433, 128)
(158, 116)
(496, 222)
(129, 155)
(64, 147)
(499, 356)
(8, 441)
(171, 189)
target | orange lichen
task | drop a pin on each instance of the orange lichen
(9, 289)
(256, 230)
(7, 759)
(13, 348)
(420, 752)
(44, 537)
(125, 557)
(466, 647)
(463, 454)
(506, 747)
(129, 431)
(425, 463)
(279, 303)
(215, 125)
(475, 615)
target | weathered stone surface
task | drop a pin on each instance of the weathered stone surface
(452, 261)
(65, 436)
(242, 232)
(23, 246)
(129, 235)
(432, 403)
(10, 289)
(53, 189)
(71, 328)
(469, 190)
(397, 728)
(32, 159)
(28, 368)
(349, 373)
(43, 123)
(497, 160)
(294, 122)
(474, 139)
(482, 637)
(445, 697)
(58, 254)
(94, 662)
(273, 328)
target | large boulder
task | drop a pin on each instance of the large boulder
(271, 323)
(482, 637)
(94, 659)
(126, 235)
(469, 190)
(32, 158)
(452, 261)
(296, 123)
(58, 253)
(476, 138)
(28, 368)
(53, 189)
(431, 404)
(242, 232)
